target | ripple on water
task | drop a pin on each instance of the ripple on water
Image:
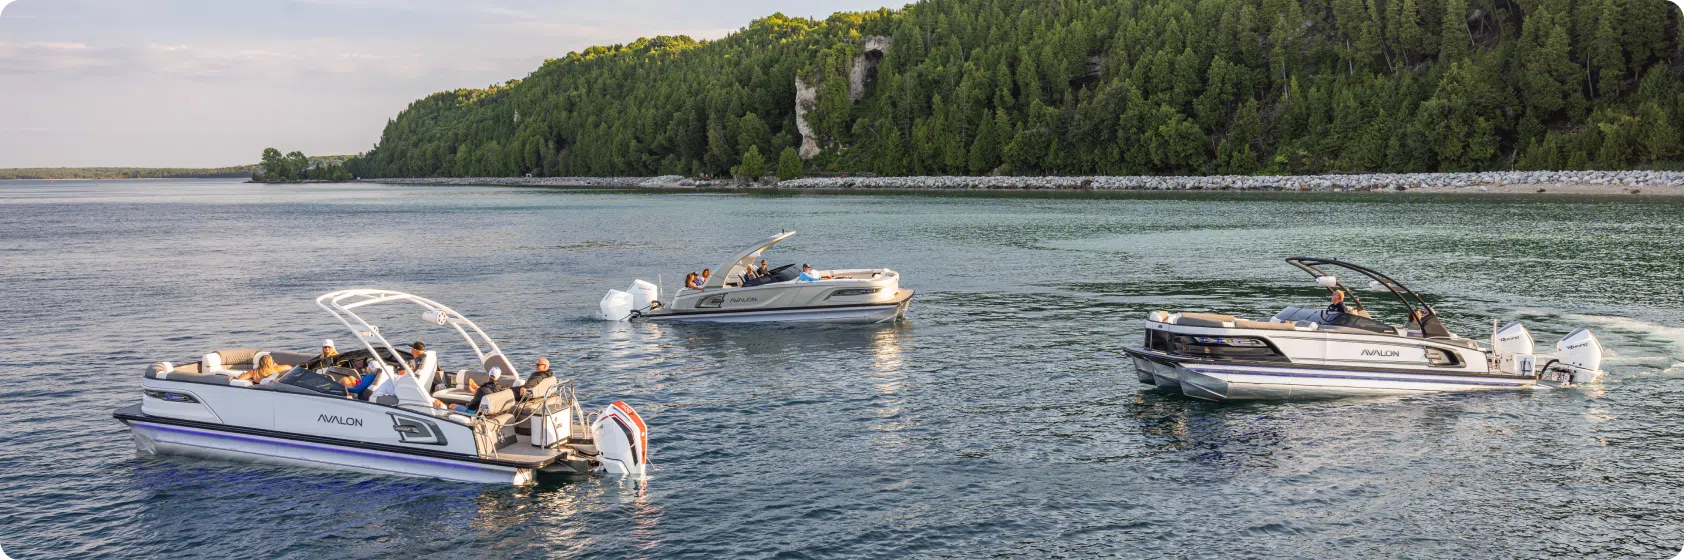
(999, 421)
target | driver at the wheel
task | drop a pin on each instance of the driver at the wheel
(1338, 305)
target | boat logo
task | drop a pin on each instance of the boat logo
(744, 299)
(341, 420)
(416, 430)
(1515, 337)
(1578, 346)
(1381, 353)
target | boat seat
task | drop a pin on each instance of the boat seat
(1262, 325)
(535, 403)
(1211, 320)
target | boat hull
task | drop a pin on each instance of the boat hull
(865, 314)
(1232, 382)
(162, 436)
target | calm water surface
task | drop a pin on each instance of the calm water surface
(998, 420)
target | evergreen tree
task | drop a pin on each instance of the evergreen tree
(790, 166)
(752, 168)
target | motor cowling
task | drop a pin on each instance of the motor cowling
(644, 295)
(1513, 347)
(1581, 353)
(616, 306)
(622, 439)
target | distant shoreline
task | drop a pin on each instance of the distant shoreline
(1664, 183)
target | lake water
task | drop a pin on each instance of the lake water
(1000, 419)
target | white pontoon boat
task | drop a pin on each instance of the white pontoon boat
(307, 417)
(1342, 351)
(871, 295)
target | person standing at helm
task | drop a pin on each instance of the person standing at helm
(762, 270)
(328, 355)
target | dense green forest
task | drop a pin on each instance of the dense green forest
(69, 173)
(295, 166)
(1090, 87)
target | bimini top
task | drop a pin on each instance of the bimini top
(740, 263)
(1420, 312)
(342, 304)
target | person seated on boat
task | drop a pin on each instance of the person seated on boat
(703, 279)
(693, 281)
(491, 386)
(266, 367)
(370, 373)
(540, 372)
(390, 388)
(762, 270)
(327, 357)
(809, 275)
(750, 278)
(417, 354)
(1338, 305)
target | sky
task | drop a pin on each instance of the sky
(210, 83)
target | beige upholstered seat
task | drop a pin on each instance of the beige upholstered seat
(1205, 320)
(1261, 325)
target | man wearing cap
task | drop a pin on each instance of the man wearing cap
(808, 275)
(417, 354)
(491, 386)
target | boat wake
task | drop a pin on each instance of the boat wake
(1669, 339)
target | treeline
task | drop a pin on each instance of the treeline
(1092, 87)
(71, 173)
(295, 166)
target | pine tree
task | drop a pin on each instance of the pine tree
(752, 168)
(1606, 56)
(790, 166)
(1454, 42)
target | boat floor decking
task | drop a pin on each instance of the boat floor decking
(522, 450)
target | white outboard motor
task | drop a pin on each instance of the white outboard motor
(622, 438)
(616, 306)
(1513, 347)
(644, 295)
(1579, 356)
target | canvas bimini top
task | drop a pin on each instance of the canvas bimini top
(738, 264)
(1431, 327)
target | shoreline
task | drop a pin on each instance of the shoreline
(1664, 183)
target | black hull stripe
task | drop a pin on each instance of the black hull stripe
(133, 414)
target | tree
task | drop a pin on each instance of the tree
(752, 168)
(273, 166)
(1455, 42)
(789, 165)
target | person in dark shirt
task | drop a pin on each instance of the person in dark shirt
(539, 373)
(1338, 305)
(491, 386)
(417, 354)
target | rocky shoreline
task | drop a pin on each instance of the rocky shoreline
(1568, 182)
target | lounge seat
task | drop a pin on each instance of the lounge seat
(1211, 320)
(1261, 325)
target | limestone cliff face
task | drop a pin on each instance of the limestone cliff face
(806, 97)
(861, 72)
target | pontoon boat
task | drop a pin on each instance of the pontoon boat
(306, 416)
(1342, 351)
(869, 295)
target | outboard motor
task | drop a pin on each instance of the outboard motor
(1579, 357)
(616, 306)
(623, 440)
(645, 296)
(1513, 345)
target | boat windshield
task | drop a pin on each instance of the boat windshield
(1335, 319)
(315, 382)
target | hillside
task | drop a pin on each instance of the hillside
(1072, 87)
